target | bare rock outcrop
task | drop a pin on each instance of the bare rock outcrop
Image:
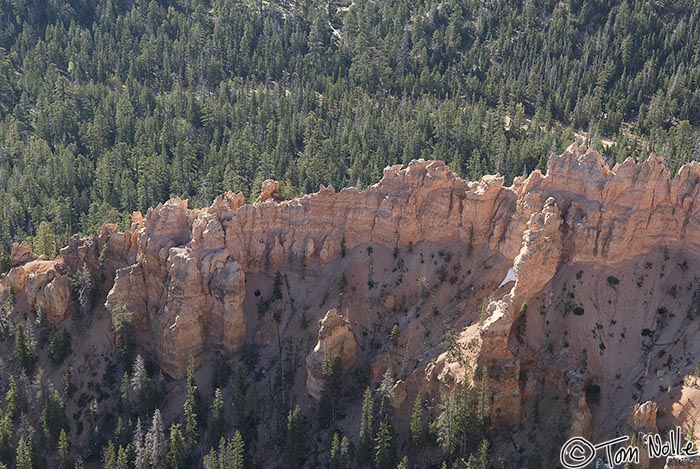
(184, 288)
(21, 253)
(270, 190)
(54, 298)
(643, 418)
(39, 286)
(335, 340)
(182, 272)
(643, 422)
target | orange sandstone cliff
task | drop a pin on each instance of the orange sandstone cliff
(589, 253)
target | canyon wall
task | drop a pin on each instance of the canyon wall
(186, 283)
(182, 272)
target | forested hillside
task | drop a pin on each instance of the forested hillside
(112, 106)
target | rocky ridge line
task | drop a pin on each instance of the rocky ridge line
(182, 271)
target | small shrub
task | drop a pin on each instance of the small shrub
(482, 311)
(394, 335)
(424, 286)
(522, 324)
(593, 393)
(442, 274)
(60, 347)
(277, 286)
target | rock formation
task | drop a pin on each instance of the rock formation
(643, 417)
(183, 272)
(21, 253)
(270, 190)
(185, 289)
(335, 340)
(39, 286)
(578, 192)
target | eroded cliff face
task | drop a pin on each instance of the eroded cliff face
(191, 276)
(186, 285)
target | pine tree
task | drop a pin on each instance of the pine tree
(122, 458)
(384, 452)
(483, 455)
(123, 321)
(124, 401)
(139, 382)
(25, 350)
(140, 458)
(366, 429)
(24, 454)
(483, 402)
(386, 391)
(294, 448)
(155, 443)
(83, 284)
(335, 452)
(63, 450)
(53, 418)
(394, 335)
(12, 402)
(211, 460)
(229, 455)
(119, 435)
(454, 423)
(6, 438)
(176, 448)
(109, 456)
(45, 240)
(237, 451)
(331, 389)
(344, 452)
(416, 429)
(189, 410)
(223, 454)
(218, 421)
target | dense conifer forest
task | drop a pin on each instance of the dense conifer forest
(110, 106)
